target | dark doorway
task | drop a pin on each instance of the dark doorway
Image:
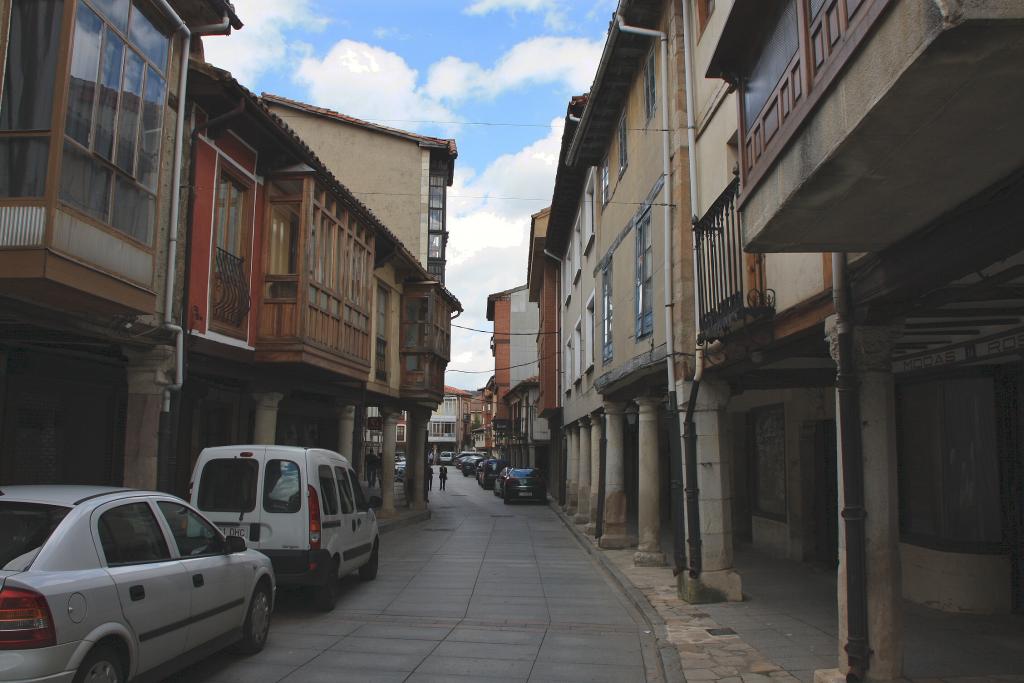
(826, 492)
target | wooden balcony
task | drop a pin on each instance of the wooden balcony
(426, 341)
(315, 300)
(862, 121)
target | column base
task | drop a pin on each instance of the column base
(837, 676)
(590, 529)
(615, 541)
(648, 558)
(581, 518)
(724, 585)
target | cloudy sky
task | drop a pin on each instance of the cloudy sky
(494, 74)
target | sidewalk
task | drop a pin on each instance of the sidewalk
(403, 515)
(786, 628)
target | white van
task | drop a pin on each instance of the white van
(302, 507)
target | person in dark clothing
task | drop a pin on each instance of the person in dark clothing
(430, 478)
(371, 469)
(442, 476)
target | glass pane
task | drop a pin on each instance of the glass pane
(281, 487)
(436, 220)
(284, 241)
(775, 56)
(84, 183)
(131, 105)
(328, 490)
(152, 122)
(347, 505)
(230, 201)
(129, 534)
(110, 84)
(229, 485)
(24, 528)
(27, 99)
(116, 11)
(148, 38)
(192, 534)
(134, 210)
(23, 163)
(85, 60)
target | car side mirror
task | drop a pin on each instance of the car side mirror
(375, 501)
(235, 544)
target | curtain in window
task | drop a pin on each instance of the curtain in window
(27, 99)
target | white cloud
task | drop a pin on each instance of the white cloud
(368, 82)
(546, 59)
(554, 11)
(261, 45)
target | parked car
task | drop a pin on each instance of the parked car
(302, 507)
(107, 584)
(488, 470)
(526, 483)
(446, 458)
(399, 468)
(499, 482)
(469, 463)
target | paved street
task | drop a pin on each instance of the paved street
(482, 591)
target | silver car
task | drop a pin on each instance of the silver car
(106, 584)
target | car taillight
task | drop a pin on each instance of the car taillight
(25, 620)
(511, 480)
(314, 519)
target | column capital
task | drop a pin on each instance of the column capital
(345, 409)
(872, 344)
(151, 370)
(584, 422)
(391, 417)
(268, 400)
(614, 408)
(648, 404)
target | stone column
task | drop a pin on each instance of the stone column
(572, 460)
(346, 428)
(265, 432)
(596, 433)
(389, 433)
(615, 532)
(583, 472)
(149, 373)
(419, 419)
(719, 581)
(648, 552)
(873, 363)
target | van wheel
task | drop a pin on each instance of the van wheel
(368, 572)
(327, 593)
(257, 623)
(101, 665)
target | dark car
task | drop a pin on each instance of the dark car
(469, 463)
(487, 472)
(525, 483)
(499, 482)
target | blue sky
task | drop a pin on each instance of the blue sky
(458, 62)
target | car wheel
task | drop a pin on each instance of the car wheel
(327, 593)
(257, 622)
(368, 572)
(101, 665)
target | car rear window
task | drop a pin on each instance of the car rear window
(524, 474)
(281, 487)
(24, 528)
(229, 485)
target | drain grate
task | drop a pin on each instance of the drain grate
(721, 631)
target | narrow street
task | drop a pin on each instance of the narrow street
(482, 591)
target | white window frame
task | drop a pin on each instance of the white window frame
(623, 143)
(607, 314)
(606, 182)
(650, 86)
(577, 249)
(567, 366)
(589, 214)
(589, 333)
(577, 337)
(567, 275)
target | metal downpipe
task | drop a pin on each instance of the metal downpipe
(853, 513)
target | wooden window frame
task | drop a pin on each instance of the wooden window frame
(245, 241)
(705, 8)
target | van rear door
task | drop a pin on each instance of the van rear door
(285, 511)
(227, 489)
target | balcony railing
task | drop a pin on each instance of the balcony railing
(725, 300)
(230, 298)
(381, 360)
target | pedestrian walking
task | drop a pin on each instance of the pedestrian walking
(430, 478)
(372, 464)
(442, 477)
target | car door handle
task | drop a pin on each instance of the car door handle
(353, 525)
(137, 593)
(197, 580)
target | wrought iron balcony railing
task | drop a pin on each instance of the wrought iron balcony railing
(729, 294)
(381, 360)
(230, 299)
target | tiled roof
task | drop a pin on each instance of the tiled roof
(442, 143)
(311, 158)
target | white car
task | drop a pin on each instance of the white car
(302, 507)
(108, 584)
(446, 457)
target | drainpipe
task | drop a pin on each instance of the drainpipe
(854, 514)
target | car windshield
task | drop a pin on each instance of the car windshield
(24, 528)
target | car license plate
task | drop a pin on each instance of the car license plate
(233, 531)
(528, 494)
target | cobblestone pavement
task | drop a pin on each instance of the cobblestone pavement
(480, 592)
